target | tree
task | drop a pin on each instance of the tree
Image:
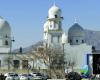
(74, 76)
(8, 61)
(70, 62)
(52, 57)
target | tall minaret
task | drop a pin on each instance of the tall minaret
(53, 26)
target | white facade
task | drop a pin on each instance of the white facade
(77, 54)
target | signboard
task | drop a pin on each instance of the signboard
(96, 63)
(84, 69)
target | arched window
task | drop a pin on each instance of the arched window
(6, 36)
(77, 41)
(93, 49)
(16, 64)
(6, 42)
(50, 26)
(21, 50)
(70, 41)
(59, 24)
(82, 41)
(55, 16)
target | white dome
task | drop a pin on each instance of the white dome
(76, 30)
(46, 26)
(54, 10)
(4, 27)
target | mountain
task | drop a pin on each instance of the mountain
(91, 37)
(29, 48)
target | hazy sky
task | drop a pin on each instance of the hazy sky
(27, 17)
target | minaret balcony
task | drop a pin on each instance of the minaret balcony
(55, 31)
(59, 18)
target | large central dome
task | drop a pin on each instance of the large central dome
(76, 35)
(76, 30)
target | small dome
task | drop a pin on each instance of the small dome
(54, 10)
(4, 26)
(76, 30)
(46, 26)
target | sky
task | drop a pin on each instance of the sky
(26, 17)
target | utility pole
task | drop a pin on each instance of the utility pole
(64, 40)
(11, 54)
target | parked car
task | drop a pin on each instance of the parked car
(11, 76)
(45, 77)
(83, 75)
(26, 77)
(37, 76)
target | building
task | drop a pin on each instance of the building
(74, 47)
(53, 26)
(5, 41)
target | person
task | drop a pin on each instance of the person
(2, 77)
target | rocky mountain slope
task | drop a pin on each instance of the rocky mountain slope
(92, 38)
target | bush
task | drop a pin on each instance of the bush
(74, 76)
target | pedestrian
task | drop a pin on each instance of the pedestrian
(2, 77)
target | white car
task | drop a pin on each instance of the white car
(37, 76)
(11, 76)
(26, 77)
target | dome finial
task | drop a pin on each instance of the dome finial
(54, 3)
(75, 19)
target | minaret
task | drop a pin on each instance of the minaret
(53, 26)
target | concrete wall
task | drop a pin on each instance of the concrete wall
(77, 53)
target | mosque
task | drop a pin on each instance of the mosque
(74, 43)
